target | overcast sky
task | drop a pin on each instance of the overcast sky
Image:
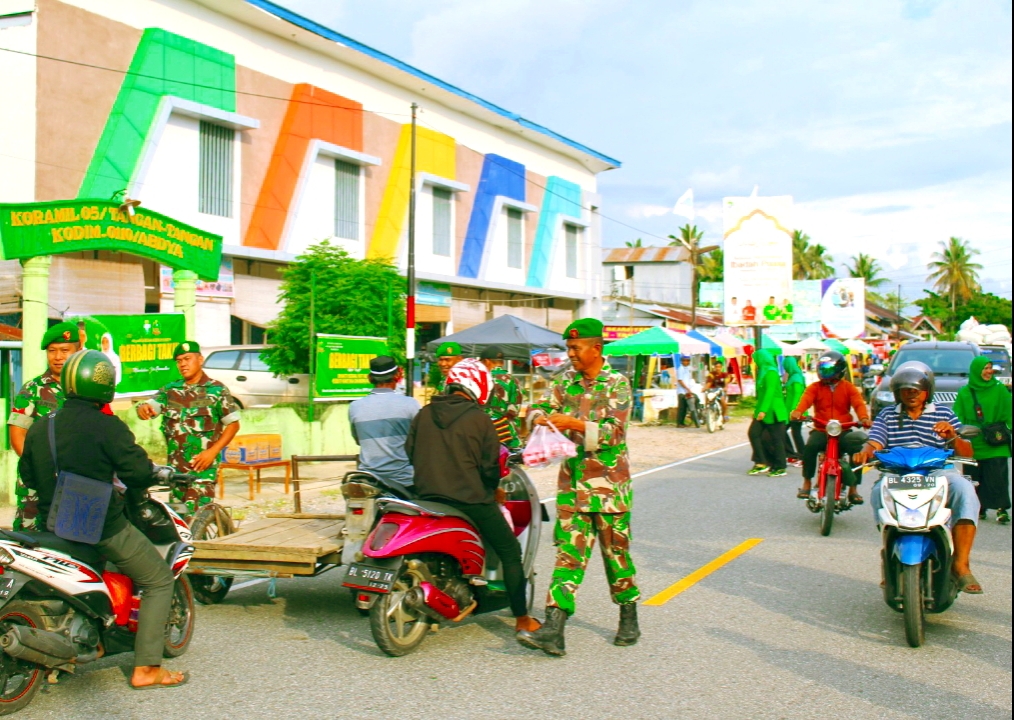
(889, 122)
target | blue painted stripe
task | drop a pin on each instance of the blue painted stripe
(329, 34)
(562, 198)
(500, 176)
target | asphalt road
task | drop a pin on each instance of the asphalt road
(795, 627)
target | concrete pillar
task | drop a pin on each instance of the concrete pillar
(35, 314)
(185, 299)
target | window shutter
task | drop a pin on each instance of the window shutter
(441, 222)
(215, 183)
(515, 248)
(346, 200)
(571, 250)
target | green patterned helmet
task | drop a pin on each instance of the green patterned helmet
(89, 375)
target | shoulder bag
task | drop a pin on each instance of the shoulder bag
(995, 434)
(80, 503)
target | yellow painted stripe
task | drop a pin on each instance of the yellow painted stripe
(697, 575)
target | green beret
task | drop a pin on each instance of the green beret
(188, 346)
(583, 328)
(64, 332)
(449, 349)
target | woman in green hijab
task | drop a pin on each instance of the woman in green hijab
(795, 384)
(985, 401)
(767, 431)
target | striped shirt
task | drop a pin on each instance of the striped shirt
(380, 423)
(894, 427)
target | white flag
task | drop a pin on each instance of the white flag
(685, 205)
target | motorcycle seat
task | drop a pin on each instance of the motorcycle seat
(87, 554)
(437, 507)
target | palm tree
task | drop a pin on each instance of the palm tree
(712, 267)
(809, 262)
(953, 272)
(866, 267)
(689, 234)
(634, 243)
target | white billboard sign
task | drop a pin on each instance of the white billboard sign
(758, 260)
(843, 308)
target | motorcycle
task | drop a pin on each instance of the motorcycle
(826, 498)
(62, 604)
(711, 404)
(424, 563)
(917, 547)
(870, 382)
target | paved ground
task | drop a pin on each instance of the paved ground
(794, 628)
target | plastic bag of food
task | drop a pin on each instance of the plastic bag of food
(547, 446)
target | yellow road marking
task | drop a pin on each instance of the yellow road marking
(697, 575)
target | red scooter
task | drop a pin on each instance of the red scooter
(826, 497)
(424, 562)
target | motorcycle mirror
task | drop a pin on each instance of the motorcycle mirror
(969, 431)
(877, 369)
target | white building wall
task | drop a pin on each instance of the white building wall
(314, 218)
(17, 102)
(495, 267)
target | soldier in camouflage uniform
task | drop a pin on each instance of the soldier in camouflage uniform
(504, 404)
(36, 400)
(449, 354)
(591, 404)
(199, 419)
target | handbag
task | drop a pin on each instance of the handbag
(995, 434)
(79, 507)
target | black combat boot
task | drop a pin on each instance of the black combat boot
(628, 631)
(549, 637)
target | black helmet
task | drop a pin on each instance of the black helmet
(89, 375)
(832, 366)
(913, 374)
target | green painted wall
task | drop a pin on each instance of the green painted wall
(163, 64)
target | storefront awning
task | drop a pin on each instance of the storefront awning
(256, 299)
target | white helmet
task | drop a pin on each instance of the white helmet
(471, 377)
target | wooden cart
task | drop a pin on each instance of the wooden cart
(282, 545)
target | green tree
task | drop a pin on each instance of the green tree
(689, 234)
(866, 267)
(952, 271)
(987, 308)
(712, 267)
(634, 243)
(893, 301)
(809, 262)
(350, 298)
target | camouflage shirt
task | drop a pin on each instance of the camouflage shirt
(504, 407)
(191, 419)
(36, 399)
(598, 479)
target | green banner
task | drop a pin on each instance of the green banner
(139, 346)
(32, 229)
(343, 364)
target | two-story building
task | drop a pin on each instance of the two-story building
(244, 119)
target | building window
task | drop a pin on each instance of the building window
(441, 222)
(515, 247)
(346, 200)
(215, 185)
(572, 234)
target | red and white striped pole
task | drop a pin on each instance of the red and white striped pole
(410, 300)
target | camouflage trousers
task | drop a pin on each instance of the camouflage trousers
(27, 503)
(196, 496)
(574, 537)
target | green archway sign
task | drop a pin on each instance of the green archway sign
(30, 230)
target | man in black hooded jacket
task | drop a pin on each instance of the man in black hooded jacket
(455, 451)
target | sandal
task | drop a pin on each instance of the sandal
(968, 584)
(161, 681)
(856, 499)
(802, 494)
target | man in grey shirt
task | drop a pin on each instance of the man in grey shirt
(380, 423)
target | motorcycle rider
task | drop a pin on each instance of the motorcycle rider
(916, 419)
(99, 446)
(832, 397)
(718, 378)
(454, 449)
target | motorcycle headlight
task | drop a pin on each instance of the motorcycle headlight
(833, 428)
(885, 396)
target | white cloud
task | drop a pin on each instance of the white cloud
(648, 211)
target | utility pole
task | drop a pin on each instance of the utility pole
(313, 343)
(692, 244)
(410, 300)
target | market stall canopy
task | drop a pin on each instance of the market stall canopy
(811, 345)
(731, 341)
(516, 337)
(716, 348)
(837, 346)
(778, 347)
(657, 341)
(858, 346)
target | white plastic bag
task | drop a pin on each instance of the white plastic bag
(547, 446)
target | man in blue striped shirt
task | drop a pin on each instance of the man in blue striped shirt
(917, 421)
(380, 423)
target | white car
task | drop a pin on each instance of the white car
(250, 380)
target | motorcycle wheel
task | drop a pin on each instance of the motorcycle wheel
(911, 597)
(210, 522)
(19, 680)
(180, 628)
(827, 512)
(396, 629)
(710, 420)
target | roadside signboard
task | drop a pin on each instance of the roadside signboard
(843, 308)
(343, 365)
(140, 347)
(621, 332)
(758, 260)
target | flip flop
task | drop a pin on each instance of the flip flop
(802, 494)
(856, 499)
(967, 581)
(159, 685)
